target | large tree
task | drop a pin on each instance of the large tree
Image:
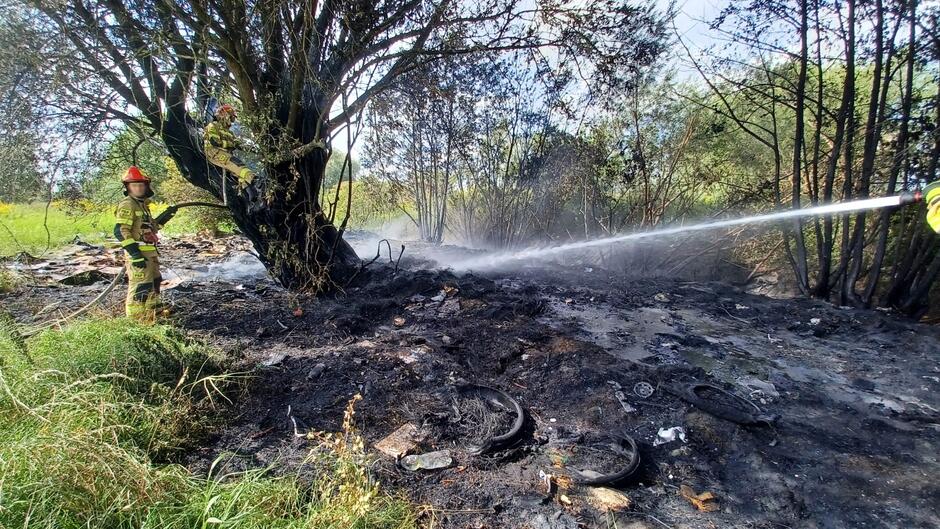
(299, 70)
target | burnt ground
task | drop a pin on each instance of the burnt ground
(856, 443)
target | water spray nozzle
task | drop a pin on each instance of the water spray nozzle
(910, 197)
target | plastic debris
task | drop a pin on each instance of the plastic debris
(428, 461)
(622, 399)
(644, 390)
(621, 396)
(399, 442)
(398, 321)
(661, 297)
(668, 435)
(705, 502)
(274, 359)
(759, 388)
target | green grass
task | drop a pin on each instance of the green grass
(34, 228)
(30, 228)
(92, 416)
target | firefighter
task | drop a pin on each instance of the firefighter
(219, 142)
(932, 197)
(136, 230)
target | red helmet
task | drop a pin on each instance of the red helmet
(226, 110)
(134, 174)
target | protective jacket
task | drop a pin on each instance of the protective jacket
(136, 230)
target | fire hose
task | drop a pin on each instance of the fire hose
(30, 331)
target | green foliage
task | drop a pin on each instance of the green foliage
(174, 189)
(20, 179)
(337, 167)
(374, 203)
(23, 227)
(104, 184)
(22, 78)
(90, 414)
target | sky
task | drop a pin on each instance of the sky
(691, 22)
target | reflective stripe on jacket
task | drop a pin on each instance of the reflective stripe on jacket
(134, 223)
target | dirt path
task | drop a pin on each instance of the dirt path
(856, 444)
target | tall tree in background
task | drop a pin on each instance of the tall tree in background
(858, 125)
(300, 71)
(22, 73)
(418, 130)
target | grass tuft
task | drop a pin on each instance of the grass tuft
(9, 280)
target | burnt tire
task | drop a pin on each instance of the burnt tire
(725, 405)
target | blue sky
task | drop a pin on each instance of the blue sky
(692, 19)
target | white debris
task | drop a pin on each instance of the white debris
(668, 435)
(756, 385)
(622, 399)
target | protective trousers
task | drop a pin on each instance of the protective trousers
(143, 288)
(231, 163)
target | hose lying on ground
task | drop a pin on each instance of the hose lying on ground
(30, 331)
(45, 325)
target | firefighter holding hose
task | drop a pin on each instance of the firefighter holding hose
(136, 230)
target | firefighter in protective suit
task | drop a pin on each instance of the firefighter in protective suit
(932, 198)
(136, 229)
(219, 142)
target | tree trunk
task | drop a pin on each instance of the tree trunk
(295, 241)
(823, 283)
(876, 106)
(802, 272)
(900, 162)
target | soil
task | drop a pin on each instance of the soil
(856, 443)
